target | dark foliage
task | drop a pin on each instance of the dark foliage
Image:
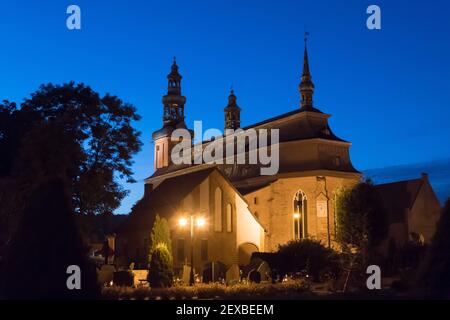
(161, 268)
(70, 131)
(435, 271)
(10, 133)
(94, 228)
(361, 218)
(71, 127)
(45, 243)
(307, 256)
(123, 278)
(254, 276)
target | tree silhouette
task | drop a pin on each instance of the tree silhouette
(435, 271)
(72, 126)
(361, 218)
(45, 243)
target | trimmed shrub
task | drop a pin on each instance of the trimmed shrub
(160, 235)
(310, 256)
(161, 268)
(123, 278)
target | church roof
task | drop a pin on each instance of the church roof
(300, 128)
(182, 185)
(281, 116)
(399, 196)
(245, 190)
(169, 192)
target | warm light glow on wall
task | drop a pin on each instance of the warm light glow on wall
(183, 222)
(201, 222)
(296, 215)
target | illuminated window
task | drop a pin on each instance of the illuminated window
(299, 215)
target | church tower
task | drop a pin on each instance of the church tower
(232, 113)
(173, 101)
(306, 86)
(173, 118)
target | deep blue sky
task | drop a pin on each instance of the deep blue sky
(388, 90)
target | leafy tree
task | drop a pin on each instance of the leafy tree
(435, 271)
(45, 243)
(102, 141)
(160, 235)
(8, 136)
(361, 218)
(307, 255)
(13, 124)
(71, 126)
(161, 268)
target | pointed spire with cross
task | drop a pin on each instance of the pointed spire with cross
(306, 86)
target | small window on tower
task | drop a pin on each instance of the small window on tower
(255, 200)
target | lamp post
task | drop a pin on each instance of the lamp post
(200, 223)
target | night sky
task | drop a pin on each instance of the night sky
(388, 90)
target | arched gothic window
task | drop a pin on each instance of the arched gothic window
(299, 216)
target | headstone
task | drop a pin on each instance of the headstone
(186, 274)
(233, 275)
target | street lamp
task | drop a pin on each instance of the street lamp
(200, 223)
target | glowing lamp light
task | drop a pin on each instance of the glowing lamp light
(201, 222)
(183, 222)
(296, 215)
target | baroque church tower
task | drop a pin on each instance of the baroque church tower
(173, 118)
(232, 113)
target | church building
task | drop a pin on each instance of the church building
(225, 212)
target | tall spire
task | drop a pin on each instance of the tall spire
(232, 113)
(173, 101)
(306, 86)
